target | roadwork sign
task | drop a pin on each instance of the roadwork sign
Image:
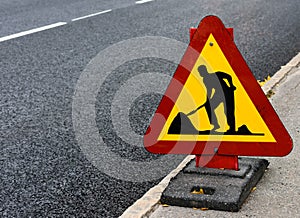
(214, 104)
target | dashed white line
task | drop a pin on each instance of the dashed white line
(91, 15)
(143, 1)
(39, 29)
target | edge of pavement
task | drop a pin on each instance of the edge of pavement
(149, 202)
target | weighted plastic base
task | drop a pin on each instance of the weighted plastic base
(214, 188)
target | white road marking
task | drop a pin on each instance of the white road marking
(143, 1)
(39, 29)
(91, 15)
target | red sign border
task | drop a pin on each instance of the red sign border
(213, 25)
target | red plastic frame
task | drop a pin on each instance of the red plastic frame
(213, 25)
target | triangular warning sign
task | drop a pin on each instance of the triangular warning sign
(214, 103)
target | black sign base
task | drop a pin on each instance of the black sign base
(214, 188)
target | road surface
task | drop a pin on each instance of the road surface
(44, 169)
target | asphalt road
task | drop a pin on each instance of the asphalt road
(18, 15)
(44, 168)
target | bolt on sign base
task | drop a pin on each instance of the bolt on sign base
(215, 189)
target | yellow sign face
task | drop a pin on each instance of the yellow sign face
(213, 105)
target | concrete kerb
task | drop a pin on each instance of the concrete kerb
(147, 204)
(281, 74)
